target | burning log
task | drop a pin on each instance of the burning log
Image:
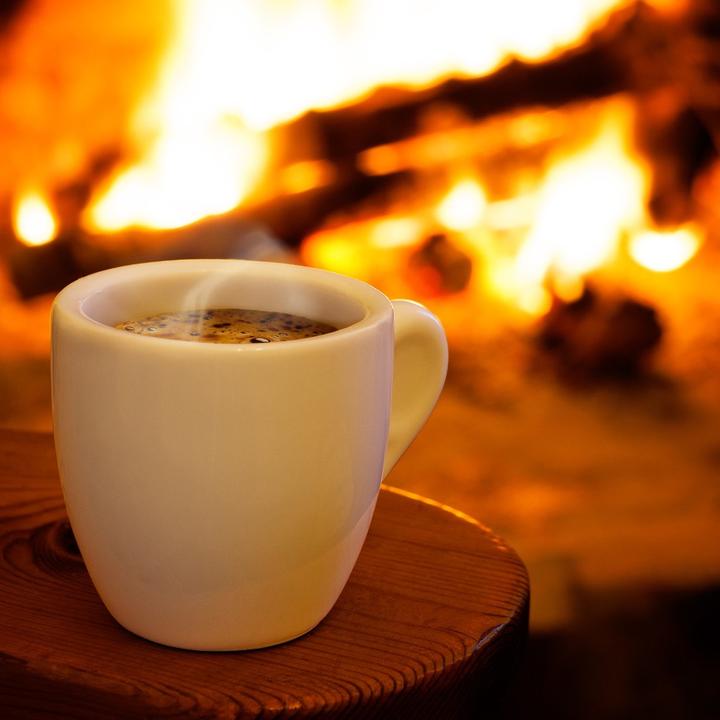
(599, 336)
(597, 69)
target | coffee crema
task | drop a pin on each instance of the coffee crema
(227, 325)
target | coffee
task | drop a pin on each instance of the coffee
(227, 325)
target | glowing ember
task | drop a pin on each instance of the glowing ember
(33, 221)
(664, 251)
(237, 69)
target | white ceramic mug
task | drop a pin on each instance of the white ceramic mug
(220, 494)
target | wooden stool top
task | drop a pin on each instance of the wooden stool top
(434, 613)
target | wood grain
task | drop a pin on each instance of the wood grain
(430, 624)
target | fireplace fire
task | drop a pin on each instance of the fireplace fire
(535, 217)
(462, 158)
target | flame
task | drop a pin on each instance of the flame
(33, 220)
(396, 232)
(236, 69)
(189, 174)
(568, 220)
(665, 251)
(571, 222)
(463, 207)
(202, 158)
(534, 300)
(585, 203)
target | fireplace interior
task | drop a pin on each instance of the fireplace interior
(544, 176)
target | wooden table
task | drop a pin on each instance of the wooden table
(431, 623)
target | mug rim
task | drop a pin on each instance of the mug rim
(69, 304)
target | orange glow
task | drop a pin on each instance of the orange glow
(380, 160)
(671, 7)
(343, 256)
(236, 69)
(567, 287)
(665, 251)
(33, 221)
(307, 175)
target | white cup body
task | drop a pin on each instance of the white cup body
(220, 494)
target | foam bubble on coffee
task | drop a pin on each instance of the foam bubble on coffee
(227, 325)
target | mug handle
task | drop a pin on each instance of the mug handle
(420, 367)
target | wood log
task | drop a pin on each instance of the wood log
(596, 69)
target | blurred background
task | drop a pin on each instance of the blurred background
(543, 175)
